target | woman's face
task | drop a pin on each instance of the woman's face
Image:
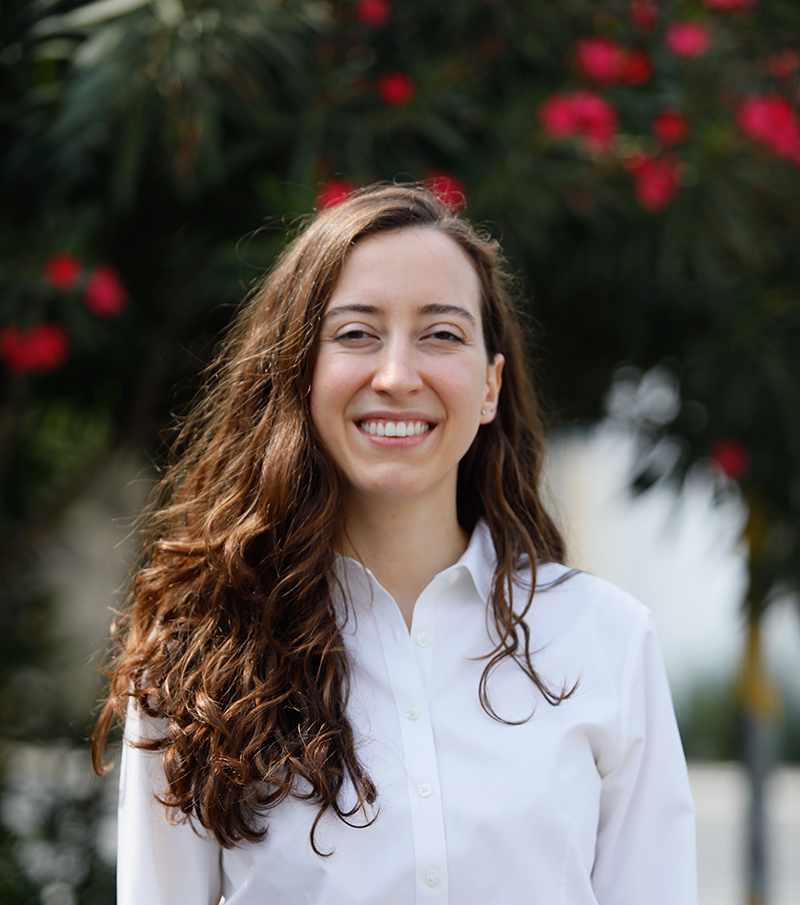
(402, 372)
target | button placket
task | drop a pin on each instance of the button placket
(407, 659)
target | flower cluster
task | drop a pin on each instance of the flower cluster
(373, 12)
(687, 39)
(45, 346)
(38, 350)
(606, 62)
(396, 89)
(670, 127)
(655, 168)
(103, 293)
(582, 114)
(655, 179)
(643, 14)
(730, 457)
(448, 189)
(333, 192)
(772, 121)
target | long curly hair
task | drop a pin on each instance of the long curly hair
(230, 636)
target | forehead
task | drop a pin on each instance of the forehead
(417, 266)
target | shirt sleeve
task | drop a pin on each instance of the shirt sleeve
(646, 849)
(157, 862)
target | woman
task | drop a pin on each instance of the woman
(340, 685)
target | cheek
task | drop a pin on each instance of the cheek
(464, 383)
(318, 403)
(332, 386)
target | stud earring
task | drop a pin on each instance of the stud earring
(483, 411)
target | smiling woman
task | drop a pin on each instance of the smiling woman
(354, 668)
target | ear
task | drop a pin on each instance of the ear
(491, 393)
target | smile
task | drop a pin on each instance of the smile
(395, 428)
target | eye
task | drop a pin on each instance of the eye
(354, 336)
(446, 336)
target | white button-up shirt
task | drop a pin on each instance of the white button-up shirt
(585, 803)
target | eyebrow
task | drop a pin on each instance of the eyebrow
(432, 308)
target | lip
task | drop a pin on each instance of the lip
(387, 415)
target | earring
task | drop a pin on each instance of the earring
(483, 411)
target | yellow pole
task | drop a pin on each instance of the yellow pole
(759, 699)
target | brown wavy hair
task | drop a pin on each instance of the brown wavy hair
(231, 636)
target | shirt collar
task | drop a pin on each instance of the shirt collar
(478, 560)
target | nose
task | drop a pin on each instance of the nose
(396, 372)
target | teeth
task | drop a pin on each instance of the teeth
(395, 428)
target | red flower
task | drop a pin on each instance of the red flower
(643, 14)
(396, 89)
(63, 272)
(730, 4)
(687, 39)
(39, 350)
(449, 191)
(334, 192)
(557, 115)
(637, 69)
(731, 457)
(655, 180)
(373, 12)
(772, 120)
(104, 295)
(784, 65)
(600, 60)
(670, 127)
(581, 114)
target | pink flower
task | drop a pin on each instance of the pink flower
(63, 272)
(373, 12)
(687, 39)
(637, 69)
(731, 457)
(104, 295)
(772, 120)
(396, 89)
(557, 116)
(655, 180)
(448, 190)
(599, 59)
(39, 350)
(670, 127)
(334, 192)
(729, 4)
(581, 114)
(643, 14)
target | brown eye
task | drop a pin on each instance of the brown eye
(353, 336)
(446, 336)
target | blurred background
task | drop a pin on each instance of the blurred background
(640, 162)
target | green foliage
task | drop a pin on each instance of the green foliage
(56, 831)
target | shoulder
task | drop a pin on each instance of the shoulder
(563, 587)
(588, 616)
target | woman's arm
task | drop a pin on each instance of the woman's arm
(158, 863)
(646, 850)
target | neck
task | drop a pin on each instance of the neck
(403, 546)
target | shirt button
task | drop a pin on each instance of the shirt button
(431, 878)
(425, 790)
(413, 713)
(423, 639)
(453, 576)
